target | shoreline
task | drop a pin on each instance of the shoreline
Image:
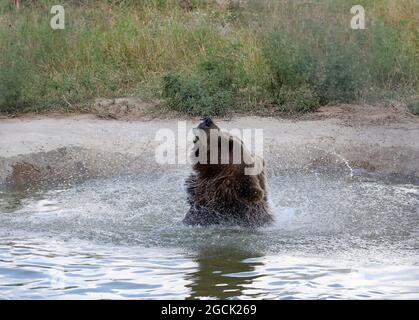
(54, 147)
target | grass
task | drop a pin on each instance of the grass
(413, 106)
(201, 58)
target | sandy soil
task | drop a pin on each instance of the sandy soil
(56, 147)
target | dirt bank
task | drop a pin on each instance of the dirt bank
(45, 148)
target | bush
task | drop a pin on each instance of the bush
(299, 100)
(344, 74)
(210, 90)
(195, 96)
(392, 60)
(11, 80)
(413, 107)
(327, 73)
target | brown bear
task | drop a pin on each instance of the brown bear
(221, 191)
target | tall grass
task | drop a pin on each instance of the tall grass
(204, 58)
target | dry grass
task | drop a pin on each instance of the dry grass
(119, 48)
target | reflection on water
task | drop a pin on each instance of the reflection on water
(10, 202)
(221, 273)
(34, 269)
(335, 237)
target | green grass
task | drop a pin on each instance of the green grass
(203, 59)
(413, 106)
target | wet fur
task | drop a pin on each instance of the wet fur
(223, 194)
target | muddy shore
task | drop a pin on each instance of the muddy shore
(45, 148)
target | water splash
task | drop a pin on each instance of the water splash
(122, 237)
(345, 161)
(351, 171)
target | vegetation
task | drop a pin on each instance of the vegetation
(413, 106)
(204, 57)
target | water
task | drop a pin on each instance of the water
(336, 236)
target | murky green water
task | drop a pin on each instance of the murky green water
(335, 236)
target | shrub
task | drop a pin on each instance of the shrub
(11, 81)
(331, 72)
(195, 96)
(392, 60)
(343, 75)
(210, 89)
(299, 100)
(413, 107)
